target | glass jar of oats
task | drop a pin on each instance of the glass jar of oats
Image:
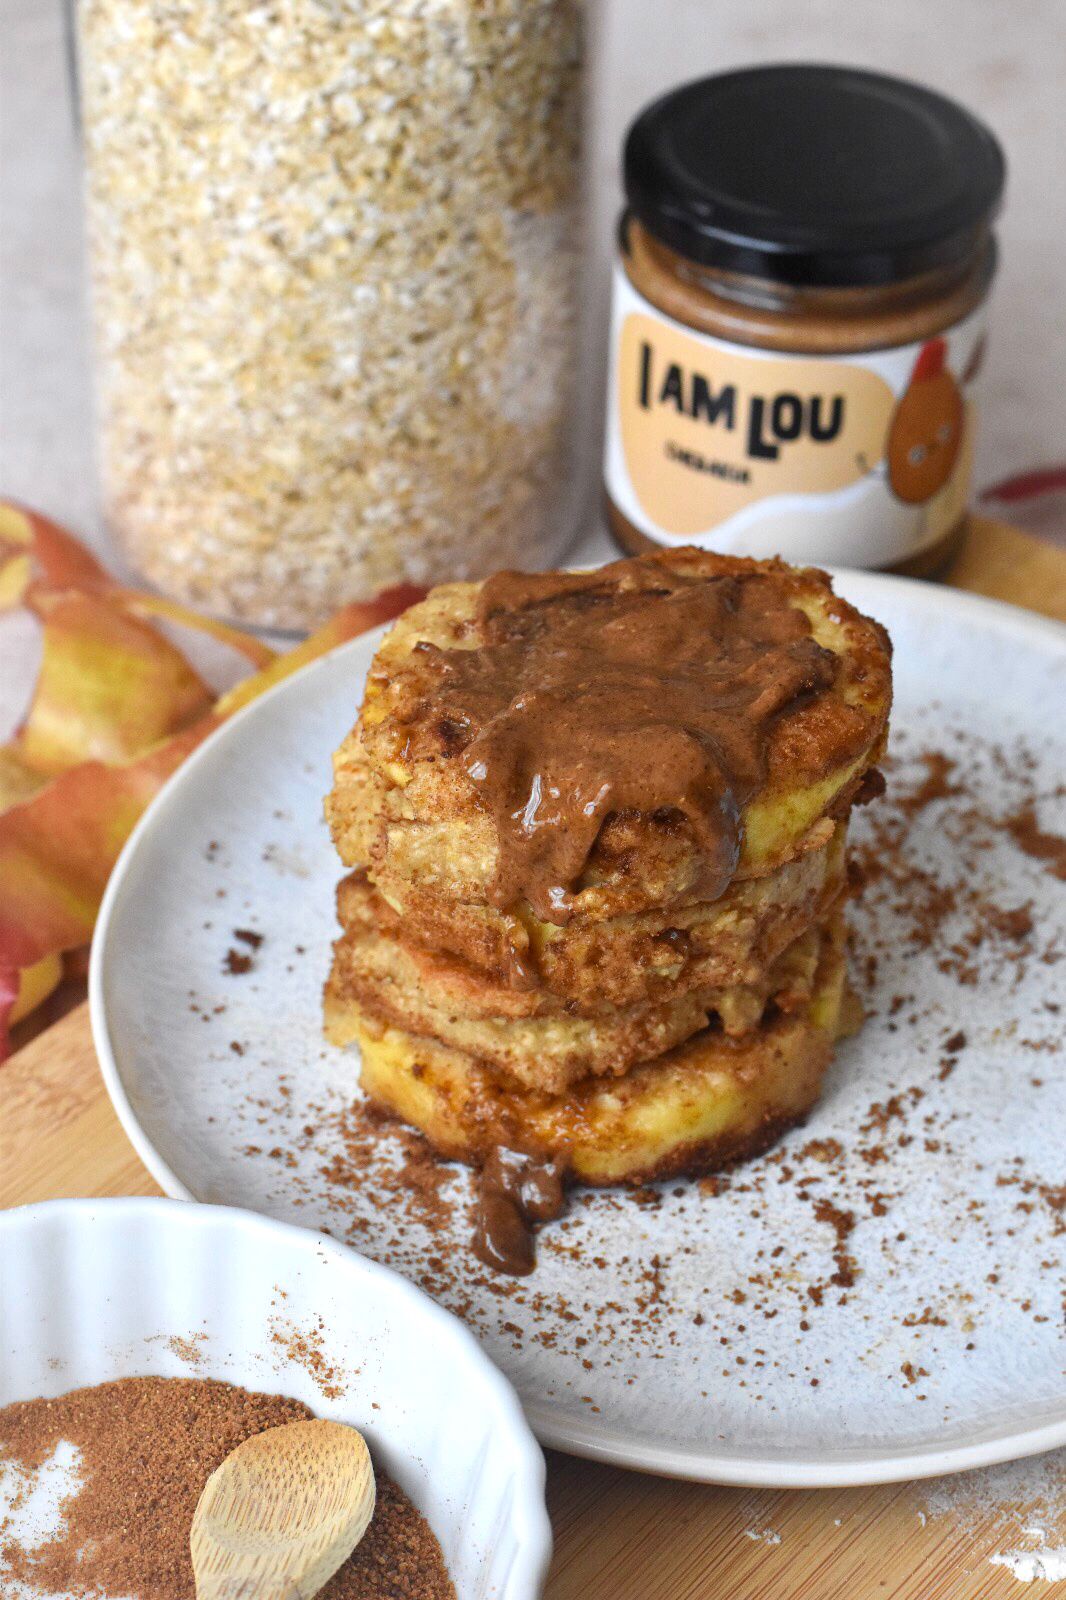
(334, 265)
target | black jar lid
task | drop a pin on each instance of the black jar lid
(813, 175)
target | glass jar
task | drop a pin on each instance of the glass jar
(334, 261)
(799, 317)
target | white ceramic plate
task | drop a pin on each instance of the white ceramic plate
(693, 1333)
(102, 1289)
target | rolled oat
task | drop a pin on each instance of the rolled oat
(334, 262)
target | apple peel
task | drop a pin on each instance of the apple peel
(115, 710)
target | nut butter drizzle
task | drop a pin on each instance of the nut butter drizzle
(635, 687)
(514, 1193)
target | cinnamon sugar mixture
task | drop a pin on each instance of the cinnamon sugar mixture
(147, 1446)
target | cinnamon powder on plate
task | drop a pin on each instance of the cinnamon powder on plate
(147, 1447)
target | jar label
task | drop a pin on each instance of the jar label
(861, 460)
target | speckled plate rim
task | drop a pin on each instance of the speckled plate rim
(595, 1438)
(101, 955)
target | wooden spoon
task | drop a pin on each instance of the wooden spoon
(281, 1513)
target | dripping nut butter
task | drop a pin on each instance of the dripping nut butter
(799, 317)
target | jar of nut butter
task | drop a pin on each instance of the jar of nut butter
(799, 318)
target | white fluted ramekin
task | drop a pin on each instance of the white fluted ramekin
(102, 1289)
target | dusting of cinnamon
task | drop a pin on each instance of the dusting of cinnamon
(842, 1223)
(936, 784)
(190, 1349)
(306, 1348)
(933, 902)
(932, 873)
(1028, 836)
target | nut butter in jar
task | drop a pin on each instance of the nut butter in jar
(799, 317)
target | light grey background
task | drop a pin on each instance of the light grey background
(1008, 63)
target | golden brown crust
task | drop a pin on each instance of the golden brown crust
(644, 1022)
(416, 820)
(625, 960)
(707, 1101)
(784, 1066)
(699, 1159)
(806, 744)
(530, 1037)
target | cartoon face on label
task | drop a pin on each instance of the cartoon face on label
(926, 431)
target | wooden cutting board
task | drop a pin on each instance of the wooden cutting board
(623, 1535)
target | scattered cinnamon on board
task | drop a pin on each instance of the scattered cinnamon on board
(148, 1446)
